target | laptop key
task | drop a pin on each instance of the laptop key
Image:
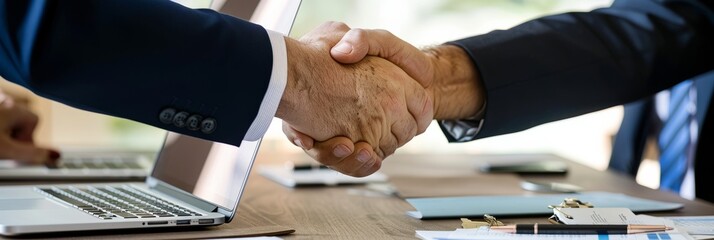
(133, 165)
(115, 165)
(62, 197)
(124, 214)
(70, 165)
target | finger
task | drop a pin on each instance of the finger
(370, 167)
(360, 163)
(358, 43)
(404, 129)
(332, 151)
(421, 107)
(387, 144)
(27, 153)
(24, 125)
(402, 125)
(297, 138)
(415, 119)
(328, 32)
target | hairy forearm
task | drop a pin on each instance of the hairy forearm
(457, 90)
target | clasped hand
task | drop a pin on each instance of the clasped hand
(350, 115)
(373, 102)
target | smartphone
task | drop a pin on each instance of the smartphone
(531, 167)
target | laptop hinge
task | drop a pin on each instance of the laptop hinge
(203, 205)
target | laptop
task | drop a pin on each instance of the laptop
(194, 182)
(82, 164)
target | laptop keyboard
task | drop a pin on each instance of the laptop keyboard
(117, 202)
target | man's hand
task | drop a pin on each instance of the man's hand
(17, 124)
(446, 71)
(374, 101)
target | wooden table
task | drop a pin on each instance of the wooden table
(356, 212)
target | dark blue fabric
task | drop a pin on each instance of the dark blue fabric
(133, 58)
(566, 65)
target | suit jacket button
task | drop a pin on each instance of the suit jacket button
(180, 119)
(208, 125)
(167, 115)
(193, 122)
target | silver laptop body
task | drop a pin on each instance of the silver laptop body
(194, 183)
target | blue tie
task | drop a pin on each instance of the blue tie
(675, 138)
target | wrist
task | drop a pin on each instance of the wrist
(288, 101)
(457, 90)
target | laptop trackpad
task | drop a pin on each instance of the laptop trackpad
(26, 204)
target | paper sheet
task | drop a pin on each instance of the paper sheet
(484, 233)
(695, 225)
(597, 216)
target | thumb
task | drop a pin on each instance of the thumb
(358, 43)
(27, 153)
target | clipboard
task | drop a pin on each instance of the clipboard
(525, 205)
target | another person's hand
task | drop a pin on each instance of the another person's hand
(17, 125)
(374, 101)
(445, 70)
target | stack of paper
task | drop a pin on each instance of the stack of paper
(484, 234)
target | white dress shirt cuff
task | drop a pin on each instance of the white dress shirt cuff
(463, 130)
(276, 87)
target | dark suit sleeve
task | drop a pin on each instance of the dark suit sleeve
(134, 58)
(565, 65)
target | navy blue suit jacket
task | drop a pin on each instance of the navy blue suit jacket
(133, 58)
(566, 65)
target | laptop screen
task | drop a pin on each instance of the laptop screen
(214, 172)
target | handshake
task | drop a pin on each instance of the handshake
(354, 96)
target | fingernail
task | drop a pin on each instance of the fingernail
(343, 48)
(298, 143)
(54, 155)
(363, 156)
(341, 151)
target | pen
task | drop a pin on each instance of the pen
(579, 229)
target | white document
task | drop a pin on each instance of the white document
(597, 216)
(484, 233)
(695, 225)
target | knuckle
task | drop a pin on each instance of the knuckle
(358, 33)
(383, 32)
(358, 36)
(412, 130)
(335, 25)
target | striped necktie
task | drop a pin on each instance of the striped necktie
(675, 138)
